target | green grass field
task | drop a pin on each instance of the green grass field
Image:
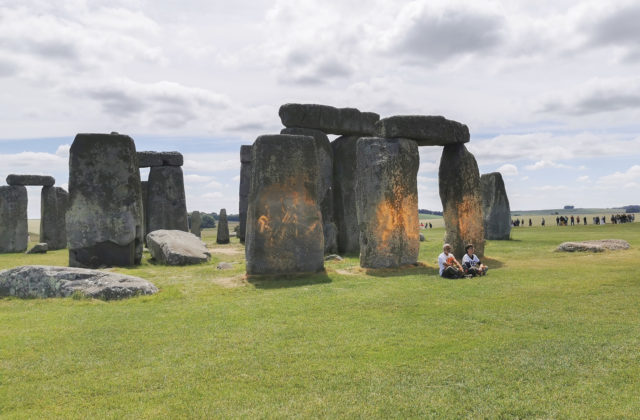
(543, 335)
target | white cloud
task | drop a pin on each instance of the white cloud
(211, 162)
(196, 179)
(63, 150)
(542, 164)
(508, 169)
(551, 188)
(583, 178)
(628, 179)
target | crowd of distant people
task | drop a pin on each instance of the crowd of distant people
(573, 220)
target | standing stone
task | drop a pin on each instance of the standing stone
(461, 198)
(284, 223)
(387, 202)
(167, 207)
(325, 183)
(223, 228)
(245, 181)
(54, 202)
(495, 207)
(344, 203)
(104, 219)
(144, 187)
(328, 119)
(14, 233)
(196, 223)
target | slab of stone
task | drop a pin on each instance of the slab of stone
(177, 247)
(245, 181)
(147, 159)
(196, 223)
(495, 207)
(330, 120)
(54, 202)
(422, 238)
(222, 236)
(333, 257)
(41, 281)
(461, 196)
(167, 207)
(40, 248)
(593, 246)
(14, 233)
(426, 130)
(144, 188)
(387, 202)
(344, 194)
(284, 223)
(44, 180)
(104, 219)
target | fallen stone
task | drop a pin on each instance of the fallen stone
(387, 202)
(330, 120)
(333, 257)
(245, 181)
(224, 266)
(44, 180)
(495, 207)
(594, 246)
(344, 193)
(196, 223)
(54, 202)
(167, 208)
(147, 159)
(14, 234)
(40, 248)
(41, 281)
(222, 236)
(177, 247)
(426, 130)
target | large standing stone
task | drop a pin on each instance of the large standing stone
(223, 228)
(426, 130)
(328, 119)
(284, 223)
(325, 182)
(245, 181)
(344, 194)
(167, 207)
(144, 187)
(54, 202)
(148, 159)
(104, 219)
(387, 202)
(495, 207)
(14, 233)
(196, 223)
(461, 198)
(44, 180)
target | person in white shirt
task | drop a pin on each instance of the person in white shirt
(449, 266)
(471, 263)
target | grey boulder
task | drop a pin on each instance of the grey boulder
(44, 180)
(40, 248)
(330, 120)
(426, 130)
(593, 246)
(176, 247)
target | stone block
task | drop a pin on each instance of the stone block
(328, 119)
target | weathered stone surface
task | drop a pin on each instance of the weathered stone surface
(330, 120)
(495, 207)
(224, 266)
(422, 238)
(245, 181)
(167, 207)
(196, 223)
(387, 201)
(223, 228)
(41, 281)
(148, 159)
(333, 257)
(461, 198)
(177, 247)
(40, 248)
(330, 231)
(54, 202)
(104, 219)
(594, 246)
(344, 194)
(14, 233)
(426, 130)
(284, 223)
(43, 180)
(144, 188)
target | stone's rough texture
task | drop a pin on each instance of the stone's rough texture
(422, 239)
(387, 202)
(196, 223)
(223, 228)
(284, 223)
(495, 207)
(150, 159)
(41, 281)
(330, 231)
(44, 180)
(461, 198)
(40, 248)
(176, 247)
(104, 219)
(167, 207)
(425, 130)
(54, 202)
(333, 257)
(344, 195)
(245, 180)
(330, 120)
(593, 246)
(13, 219)
(224, 266)
(144, 187)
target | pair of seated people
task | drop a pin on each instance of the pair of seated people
(452, 269)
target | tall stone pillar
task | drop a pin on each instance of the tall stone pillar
(14, 233)
(196, 223)
(495, 207)
(167, 207)
(245, 181)
(344, 203)
(54, 202)
(222, 236)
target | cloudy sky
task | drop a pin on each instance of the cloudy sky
(550, 90)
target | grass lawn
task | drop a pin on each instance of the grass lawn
(543, 335)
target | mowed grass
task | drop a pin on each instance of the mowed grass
(543, 335)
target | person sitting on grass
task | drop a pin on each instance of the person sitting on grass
(471, 263)
(449, 266)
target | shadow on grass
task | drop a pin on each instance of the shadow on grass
(279, 281)
(405, 270)
(491, 263)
